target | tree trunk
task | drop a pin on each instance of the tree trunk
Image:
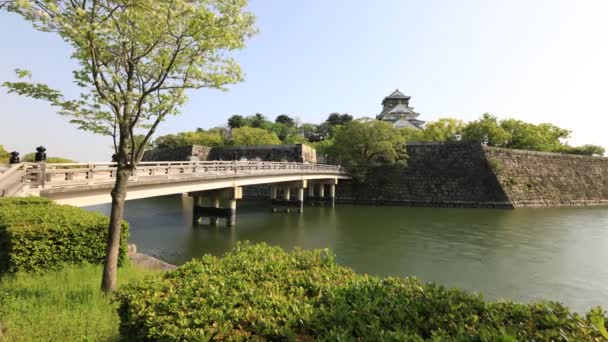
(110, 268)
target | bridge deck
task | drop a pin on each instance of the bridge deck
(86, 184)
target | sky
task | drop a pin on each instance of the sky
(538, 61)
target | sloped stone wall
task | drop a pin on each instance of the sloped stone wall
(438, 174)
(540, 179)
(469, 175)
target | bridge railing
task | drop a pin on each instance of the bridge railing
(52, 175)
(12, 180)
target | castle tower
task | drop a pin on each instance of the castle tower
(396, 110)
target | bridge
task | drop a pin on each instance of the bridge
(209, 182)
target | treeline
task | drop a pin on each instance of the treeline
(489, 130)
(257, 129)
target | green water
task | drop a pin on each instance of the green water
(525, 254)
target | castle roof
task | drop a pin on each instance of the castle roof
(404, 123)
(397, 95)
(401, 109)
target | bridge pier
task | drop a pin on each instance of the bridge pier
(320, 197)
(214, 211)
(285, 202)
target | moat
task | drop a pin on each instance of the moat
(523, 254)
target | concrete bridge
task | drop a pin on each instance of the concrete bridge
(209, 182)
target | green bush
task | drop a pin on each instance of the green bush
(259, 292)
(37, 234)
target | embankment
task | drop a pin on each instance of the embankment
(470, 175)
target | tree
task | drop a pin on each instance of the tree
(487, 131)
(307, 129)
(237, 121)
(259, 121)
(335, 119)
(251, 136)
(136, 59)
(445, 129)
(4, 155)
(285, 120)
(526, 136)
(364, 144)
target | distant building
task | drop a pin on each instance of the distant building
(396, 110)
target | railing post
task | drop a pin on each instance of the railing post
(14, 158)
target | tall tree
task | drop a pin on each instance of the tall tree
(364, 144)
(237, 121)
(445, 129)
(285, 120)
(486, 130)
(335, 119)
(136, 59)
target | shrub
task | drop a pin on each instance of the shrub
(36, 234)
(259, 292)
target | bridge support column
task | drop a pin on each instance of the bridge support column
(286, 197)
(284, 202)
(301, 200)
(322, 197)
(215, 203)
(311, 191)
(214, 212)
(332, 195)
(231, 219)
(273, 192)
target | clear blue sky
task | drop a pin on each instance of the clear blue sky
(539, 61)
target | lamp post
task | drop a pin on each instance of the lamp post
(40, 156)
(14, 158)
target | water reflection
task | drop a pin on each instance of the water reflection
(525, 254)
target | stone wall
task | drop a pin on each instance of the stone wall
(469, 175)
(539, 179)
(438, 174)
(186, 153)
(288, 153)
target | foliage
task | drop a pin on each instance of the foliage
(136, 60)
(259, 292)
(237, 121)
(211, 138)
(172, 46)
(250, 136)
(337, 119)
(31, 157)
(62, 305)
(285, 120)
(4, 155)
(445, 129)
(526, 136)
(363, 145)
(486, 130)
(37, 235)
(588, 150)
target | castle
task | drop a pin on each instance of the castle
(397, 111)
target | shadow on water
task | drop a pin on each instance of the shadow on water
(524, 254)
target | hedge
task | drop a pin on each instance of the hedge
(37, 234)
(259, 292)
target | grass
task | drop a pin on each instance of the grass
(64, 305)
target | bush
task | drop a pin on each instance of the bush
(36, 234)
(259, 292)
